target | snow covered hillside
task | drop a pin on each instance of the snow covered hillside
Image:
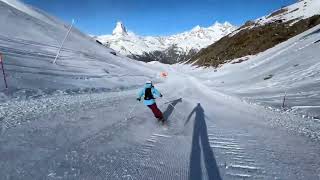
(29, 41)
(303, 9)
(291, 67)
(130, 44)
(261, 34)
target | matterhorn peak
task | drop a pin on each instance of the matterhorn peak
(120, 29)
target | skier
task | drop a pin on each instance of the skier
(149, 91)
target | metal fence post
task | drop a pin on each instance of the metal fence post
(3, 72)
(58, 53)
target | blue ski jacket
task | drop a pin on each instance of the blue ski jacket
(154, 91)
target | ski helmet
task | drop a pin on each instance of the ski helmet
(148, 82)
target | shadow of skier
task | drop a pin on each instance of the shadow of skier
(167, 113)
(200, 140)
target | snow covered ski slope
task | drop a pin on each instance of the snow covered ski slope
(291, 67)
(29, 42)
(69, 120)
(210, 136)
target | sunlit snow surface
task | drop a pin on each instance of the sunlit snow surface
(29, 45)
(292, 67)
(87, 137)
(300, 10)
(70, 120)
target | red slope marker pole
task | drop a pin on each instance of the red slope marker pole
(3, 72)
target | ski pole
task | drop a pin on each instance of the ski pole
(132, 109)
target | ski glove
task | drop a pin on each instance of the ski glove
(138, 99)
(161, 95)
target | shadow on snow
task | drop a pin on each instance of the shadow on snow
(200, 143)
(167, 113)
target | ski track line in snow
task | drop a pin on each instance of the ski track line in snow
(92, 104)
(153, 156)
(240, 165)
(97, 102)
(157, 148)
(106, 135)
(147, 148)
(106, 132)
(17, 112)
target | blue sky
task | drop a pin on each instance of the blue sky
(155, 17)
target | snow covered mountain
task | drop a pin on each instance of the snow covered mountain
(29, 42)
(261, 34)
(151, 48)
(303, 9)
